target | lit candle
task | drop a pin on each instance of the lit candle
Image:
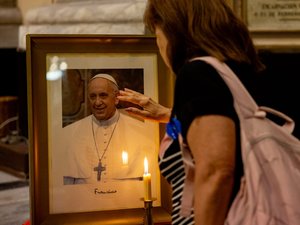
(147, 181)
(124, 158)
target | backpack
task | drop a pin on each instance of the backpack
(270, 188)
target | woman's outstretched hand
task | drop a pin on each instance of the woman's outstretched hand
(151, 110)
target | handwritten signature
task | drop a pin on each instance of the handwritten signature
(97, 191)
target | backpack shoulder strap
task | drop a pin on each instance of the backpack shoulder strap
(239, 92)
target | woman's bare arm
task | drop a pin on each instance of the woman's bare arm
(212, 142)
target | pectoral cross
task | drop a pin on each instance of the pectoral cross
(99, 170)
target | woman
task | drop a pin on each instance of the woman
(203, 104)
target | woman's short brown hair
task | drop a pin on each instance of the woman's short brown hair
(201, 27)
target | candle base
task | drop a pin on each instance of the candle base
(148, 220)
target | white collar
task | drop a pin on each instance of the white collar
(108, 122)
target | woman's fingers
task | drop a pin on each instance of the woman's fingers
(129, 95)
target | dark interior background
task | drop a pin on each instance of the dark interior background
(280, 84)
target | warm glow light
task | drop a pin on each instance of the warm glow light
(54, 75)
(124, 158)
(146, 170)
(63, 66)
(56, 68)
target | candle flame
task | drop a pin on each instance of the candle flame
(124, 157)
(146, 166)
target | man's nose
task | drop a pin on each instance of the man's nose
(98, 101)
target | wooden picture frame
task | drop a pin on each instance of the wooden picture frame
(43, 120)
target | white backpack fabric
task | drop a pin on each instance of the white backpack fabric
(270, 188)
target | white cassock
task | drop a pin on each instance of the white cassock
(88, 138)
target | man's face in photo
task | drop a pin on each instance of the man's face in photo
(102, 98)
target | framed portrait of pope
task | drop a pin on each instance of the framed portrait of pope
(84, 168)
